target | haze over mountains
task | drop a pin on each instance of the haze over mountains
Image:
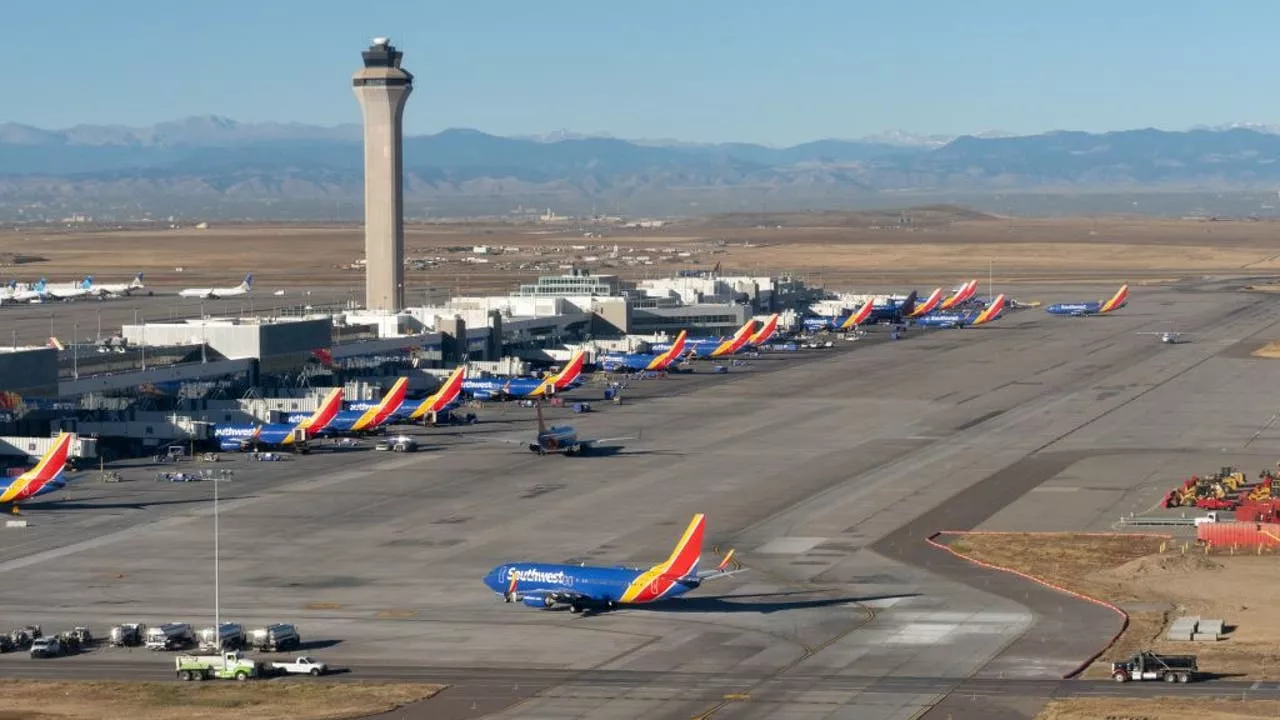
(213, 167)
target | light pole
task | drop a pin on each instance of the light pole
(217, 588)
(99, 326)
(75, 350)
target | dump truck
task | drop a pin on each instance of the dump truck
(170, 636)
(1147, 665)
(275, 638)
(227, 636)
(227, 666)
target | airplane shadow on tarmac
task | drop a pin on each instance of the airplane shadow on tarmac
(760, 603)
(91, 504)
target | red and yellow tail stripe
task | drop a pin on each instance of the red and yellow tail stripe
(46, 471)
(965, 292)
(857, 318)
(992, 312)
(1117, 301)
(664, 360)
(561, 380)
(735, 343)
(329, 408)
(440, 399)
(766, 332)
(378, 414)
(929, 304)
(657, 581)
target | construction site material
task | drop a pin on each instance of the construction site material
(1239, 535)
(1226, 489)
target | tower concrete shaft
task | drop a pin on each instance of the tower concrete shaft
(382, 89)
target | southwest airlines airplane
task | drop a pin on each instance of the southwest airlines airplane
(960, 319)
(518, 387)
(766, 332)
(284, 435)
(45, 477)
(613, 362)
(1101, 307)
(582, 587)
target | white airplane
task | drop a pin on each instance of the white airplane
(29, 294)
(69, 291)
(215, 293)
(119, 288)
(1167, 336)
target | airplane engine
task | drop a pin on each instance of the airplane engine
(538, 602)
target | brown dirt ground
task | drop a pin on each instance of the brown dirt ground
(72, 700)
(1159, 709)
(852, 249)
(1129, 571)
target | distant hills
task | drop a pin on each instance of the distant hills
(213, 167)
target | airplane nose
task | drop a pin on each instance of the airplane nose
(493, 581)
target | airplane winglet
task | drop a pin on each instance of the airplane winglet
(725, 562)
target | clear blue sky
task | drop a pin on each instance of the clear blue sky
(708, 70)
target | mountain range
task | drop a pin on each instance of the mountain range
(215, 167)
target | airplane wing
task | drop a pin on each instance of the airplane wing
(620, 438)
(483, 438)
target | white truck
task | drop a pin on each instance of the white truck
(170, 636)
(301, 666)
(227, 666)
(227, 636)
(128, 635)
(275, 638)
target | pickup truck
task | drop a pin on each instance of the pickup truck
(301, 666)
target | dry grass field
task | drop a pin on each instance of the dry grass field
(838, 250)
(1131, 571)
(1181, 708)
(92, 700)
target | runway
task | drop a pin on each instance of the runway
(826, 474)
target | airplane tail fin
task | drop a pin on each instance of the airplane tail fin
(992, 312)
(87, 283)
(137, 280)
(676, 349)
(47, 471)
(766, 332)
(324, 414)
(440, 399)
(683, 561)
(1117, 301)
(248, 281)
(572, 370)
(909, 305)
(929, 304)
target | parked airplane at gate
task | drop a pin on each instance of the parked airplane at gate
(348, 422)
(282, 435)
(766, 332)
(442, 398)
(894, 311)
(960, 319)
(32, 294)
(722, 347)
(215, 293)
(582, 587)
(128, 288)
(963, 294)
(68, 291)
(45, 477)
(1080, 309)
(496, 388)
(614, 362)
(930, 304)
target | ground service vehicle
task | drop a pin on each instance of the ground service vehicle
(23, 637)
(47, 647)
(128, 635)
(301, 666)
(170, 636)
(399, 443)
(227, 636)
(275, 638)
(228, 666)
(1147, 665)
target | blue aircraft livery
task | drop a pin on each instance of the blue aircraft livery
(960, 319)
(1102, 307)
(581, 587)
(613, 362)
(247, 437)
(497, 388)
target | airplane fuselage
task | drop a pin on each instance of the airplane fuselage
(1084, 308)
(596, 585)
(556, 439)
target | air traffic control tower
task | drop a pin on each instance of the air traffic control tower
(382, 88)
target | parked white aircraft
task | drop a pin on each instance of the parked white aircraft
(215, 293)
(29, 294)
(68, 291)
(128, 288)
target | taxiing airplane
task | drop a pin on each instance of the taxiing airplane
(614, 362)
(1167, 336)
(960, 319)
(119, 288)
(233, 438)
(45, 477)
(215, 293)
(497, 388)
(583, 587)
(1102, 307)
(963, 294)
